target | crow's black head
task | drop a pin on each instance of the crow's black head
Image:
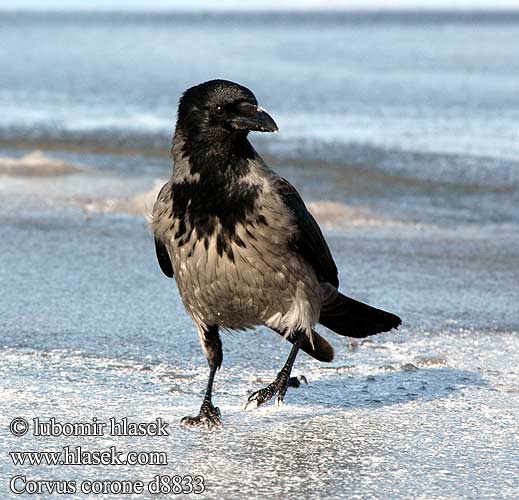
(219, 109)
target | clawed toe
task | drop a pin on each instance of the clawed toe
(209, 418)
(279, 387)
(260, 397)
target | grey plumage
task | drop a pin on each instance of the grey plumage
(238, 239)
(266, 283)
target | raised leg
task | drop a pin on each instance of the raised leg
(209, 415)
(282, 380)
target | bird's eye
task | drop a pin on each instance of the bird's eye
(219, 111)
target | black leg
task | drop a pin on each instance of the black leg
(209, 416)
(282, 381)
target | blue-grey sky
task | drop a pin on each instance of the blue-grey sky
(255, 4)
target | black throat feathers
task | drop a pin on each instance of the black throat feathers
(215, 194)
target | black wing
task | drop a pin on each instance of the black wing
(310, 242)
(160, 210)
(163, 258)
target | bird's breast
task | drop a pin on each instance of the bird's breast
(238, 278)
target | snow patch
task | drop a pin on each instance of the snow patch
(35, 164)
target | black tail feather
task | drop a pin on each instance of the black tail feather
(319, 348)
(352, 318)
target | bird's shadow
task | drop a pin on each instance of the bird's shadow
(387, 387)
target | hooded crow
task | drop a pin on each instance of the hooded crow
(241, 244)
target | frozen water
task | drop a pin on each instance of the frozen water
(401, 132)
(91, 328)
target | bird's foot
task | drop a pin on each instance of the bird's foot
(279, 387)
(208, 418)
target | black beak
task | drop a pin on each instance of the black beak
(254, 118)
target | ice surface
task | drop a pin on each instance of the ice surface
(91, 328)
(401, 133)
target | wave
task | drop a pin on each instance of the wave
(35, 164)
